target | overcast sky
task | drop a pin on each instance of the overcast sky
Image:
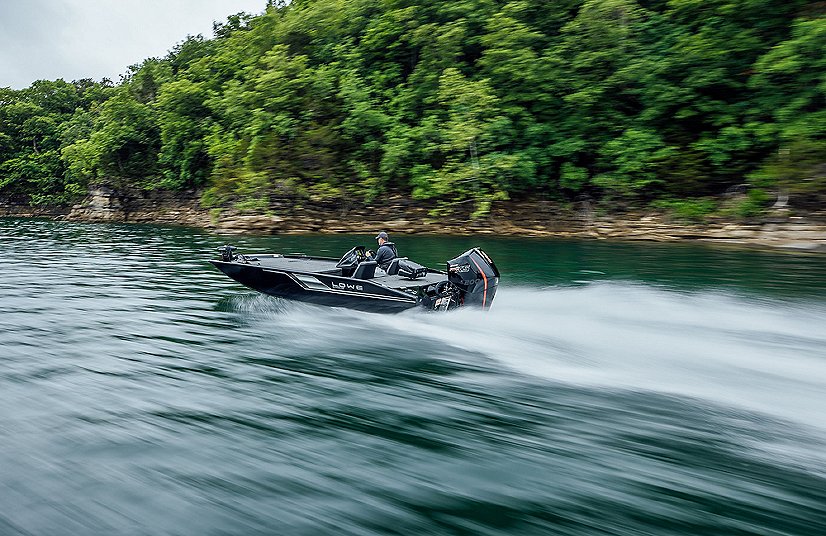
(74, 39)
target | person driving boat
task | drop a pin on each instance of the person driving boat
(386, 251)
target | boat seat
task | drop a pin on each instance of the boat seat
(393, 269)
(366, 270)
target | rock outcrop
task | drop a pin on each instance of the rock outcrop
(106, 205)
(401, 215)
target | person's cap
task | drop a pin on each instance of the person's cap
(382, 235)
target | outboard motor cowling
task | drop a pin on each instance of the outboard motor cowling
(476, 276)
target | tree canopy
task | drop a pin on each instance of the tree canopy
(467, 101)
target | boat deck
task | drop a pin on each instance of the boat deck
(295, 264)
(328, 266)
(394, 281)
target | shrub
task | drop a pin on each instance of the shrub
(753, 205)
(693, 210)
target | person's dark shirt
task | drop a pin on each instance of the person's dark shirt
(386, 253)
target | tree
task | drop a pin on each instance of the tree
(790, 80)
(463, 102)
(121, 150)
(184, 121)
(464, 164)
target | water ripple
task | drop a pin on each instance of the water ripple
(144, 393)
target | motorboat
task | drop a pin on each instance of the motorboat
(355, 281)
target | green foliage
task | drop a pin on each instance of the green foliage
(468, 167)
(691, 210)
(799, 168)
(122, 148)
(790, 81)
(184, 122)
(463, 103)
(752, 205)
(253, 204)
(572, 177)
(634, 156)
(35, 124)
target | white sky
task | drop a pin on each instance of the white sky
(74, 39)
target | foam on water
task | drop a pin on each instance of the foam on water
(766, 356)
(742, 357)
(759, 355)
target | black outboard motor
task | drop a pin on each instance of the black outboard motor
(476, 277)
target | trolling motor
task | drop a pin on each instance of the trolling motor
(476, 277)
(227, 253)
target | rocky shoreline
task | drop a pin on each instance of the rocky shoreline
(527, 219)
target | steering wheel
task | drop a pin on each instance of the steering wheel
(361, 253)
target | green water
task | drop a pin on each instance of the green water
(533, 262)
(612, 389)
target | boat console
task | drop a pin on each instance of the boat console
(358, 263)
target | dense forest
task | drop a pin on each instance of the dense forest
(460, 102)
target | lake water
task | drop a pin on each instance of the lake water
(612, 389)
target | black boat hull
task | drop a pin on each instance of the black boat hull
(354, 281)
(320, 289)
